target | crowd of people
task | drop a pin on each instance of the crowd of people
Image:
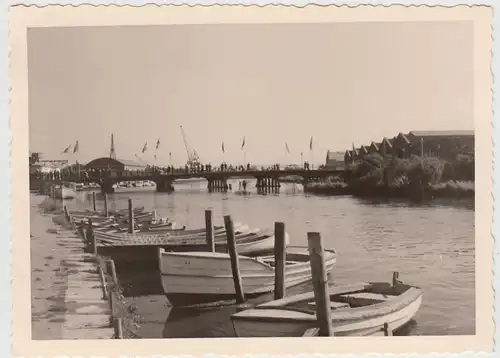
(68, 173)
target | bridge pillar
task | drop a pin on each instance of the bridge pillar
(107, 187)
(210, 185)
(165, 186)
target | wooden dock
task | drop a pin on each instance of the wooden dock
(85, 311)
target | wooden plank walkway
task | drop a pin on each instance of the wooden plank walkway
(87, 313)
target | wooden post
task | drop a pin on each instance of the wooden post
(209, 227)
(130, 217)
(91, 238)
(233, 254)
(117, 323)
(387, 330)
(395, 279)
(320, 284)
(106, 213)
(66, 214)
(279, 259)
(112, 268)
(94, 201)
(114, 284)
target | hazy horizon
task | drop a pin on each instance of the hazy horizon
(270, 83)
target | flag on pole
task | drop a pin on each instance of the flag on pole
(76, 147)
(157, 143)
(243, 143)
(112, 153)
(311, 144)
(223, 149)
(286, 147)
(145, 148)
(67, 149)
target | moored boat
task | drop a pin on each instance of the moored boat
(199, 277)
(356, 310)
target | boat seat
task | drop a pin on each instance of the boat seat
(333, 305)
(365, 298)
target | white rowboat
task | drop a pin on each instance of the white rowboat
(357, 310)
(198, 277)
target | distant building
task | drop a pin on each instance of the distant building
(442, 144)
(335, 160)
(114, 166)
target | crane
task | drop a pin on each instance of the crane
(193, 158)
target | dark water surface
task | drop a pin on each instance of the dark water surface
(432, 246)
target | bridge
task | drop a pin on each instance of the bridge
(217, 180)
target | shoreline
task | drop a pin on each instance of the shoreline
(68, 300)
(439, 191)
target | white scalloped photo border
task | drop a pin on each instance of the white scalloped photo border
(14, 106)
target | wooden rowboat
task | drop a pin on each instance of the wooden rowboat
(176, 238)
(356, 310)
(199, 277)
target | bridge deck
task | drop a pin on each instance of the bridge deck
(214, 175)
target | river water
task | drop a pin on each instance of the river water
(431, 246)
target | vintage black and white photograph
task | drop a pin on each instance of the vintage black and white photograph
(292, 179)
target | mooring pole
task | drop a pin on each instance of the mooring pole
(91, 238)
(106, 213)
(130, 217)
(94, 201)
(209, 227)
(280, 260)
(320, 284)
(233, 254)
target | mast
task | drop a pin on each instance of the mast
(112, 153)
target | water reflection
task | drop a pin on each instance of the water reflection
(431, 245)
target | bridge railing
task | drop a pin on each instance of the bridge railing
(96, 175)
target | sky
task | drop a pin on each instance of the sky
(340, 83)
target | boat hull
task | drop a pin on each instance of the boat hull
(276, 323)
(190, 278)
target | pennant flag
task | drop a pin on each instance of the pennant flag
(145, 148)
(76, 147)
(112, 153)
(311, 144)
(243, 144)
(67, 149)
(286, 147)
(223, 149)
(157, 143)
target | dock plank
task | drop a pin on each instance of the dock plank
(92, 333)
(79, 321)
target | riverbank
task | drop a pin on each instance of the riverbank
(67, 289)
(448, 190)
